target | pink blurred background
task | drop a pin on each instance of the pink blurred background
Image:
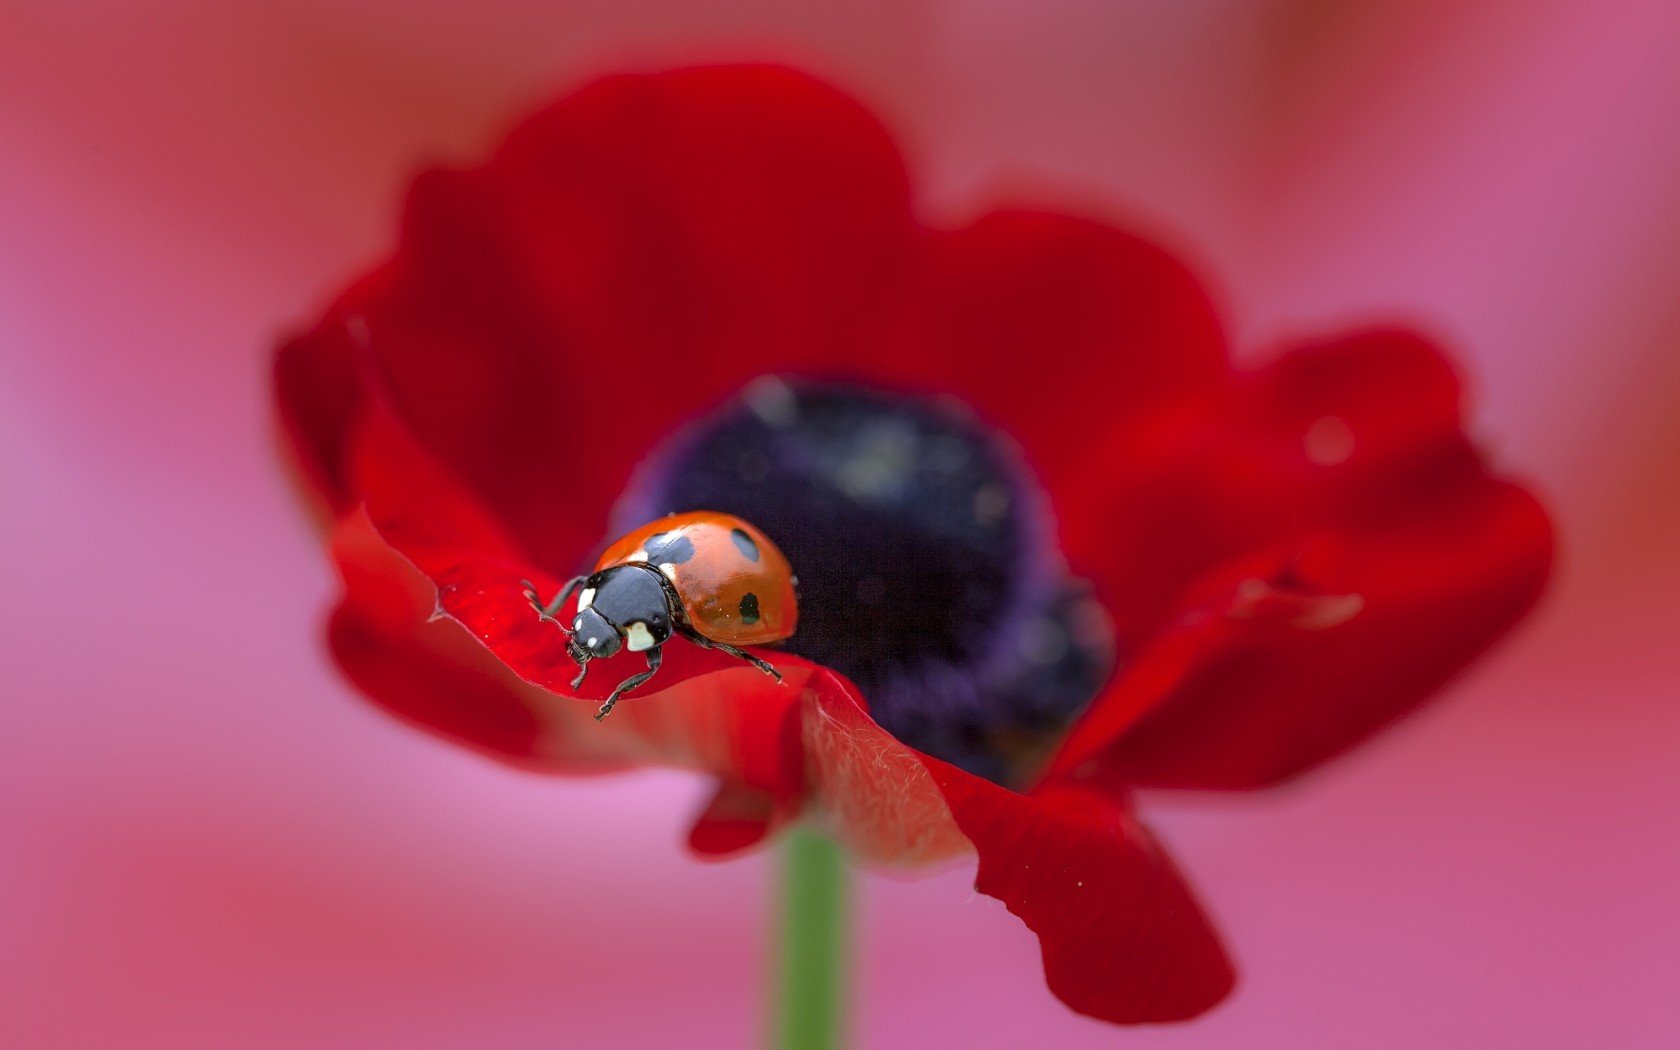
(209, 842)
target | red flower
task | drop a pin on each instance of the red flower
(1289, 557)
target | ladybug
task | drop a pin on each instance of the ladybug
(710, 577)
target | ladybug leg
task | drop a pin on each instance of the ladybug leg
(654, 657)
(762, 665)
(548, 611)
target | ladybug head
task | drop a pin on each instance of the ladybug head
(593, 635)
(622, 607)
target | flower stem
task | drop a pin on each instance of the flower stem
(810, 992)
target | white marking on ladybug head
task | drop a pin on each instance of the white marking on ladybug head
(586, 599)
(670, 571)
(591, 642)
(638, 637)
(577, 625)
(637, 558)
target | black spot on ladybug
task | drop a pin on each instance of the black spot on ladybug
(749, 608)
(744, 543)
(668, 548)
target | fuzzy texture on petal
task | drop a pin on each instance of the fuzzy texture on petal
(1123, 937)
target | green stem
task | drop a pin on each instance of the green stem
(810, 993)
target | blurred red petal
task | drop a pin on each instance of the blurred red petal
(319, 388)
(1123, 938)
(463, 355)
(1352, 402)
(1060, 331)
(1293, 657)
(706, 225)
(631, 257)
(734, 819)
(1281, 452)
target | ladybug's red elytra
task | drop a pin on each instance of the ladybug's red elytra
(710, 577)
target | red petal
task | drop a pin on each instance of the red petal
(1390, 390)
(319, 389)
(1337, 473)
(1122, 936)
(632, 256)
(706, 225)
(431, 673)
(1060, 331)
(736, 818)
(1292, 660)
(461, 351)
(1278, 455)
(883, 803)
(1124, 939)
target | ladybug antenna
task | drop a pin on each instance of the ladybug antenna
(548, 612)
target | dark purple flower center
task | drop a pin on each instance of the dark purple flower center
(925, 555)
